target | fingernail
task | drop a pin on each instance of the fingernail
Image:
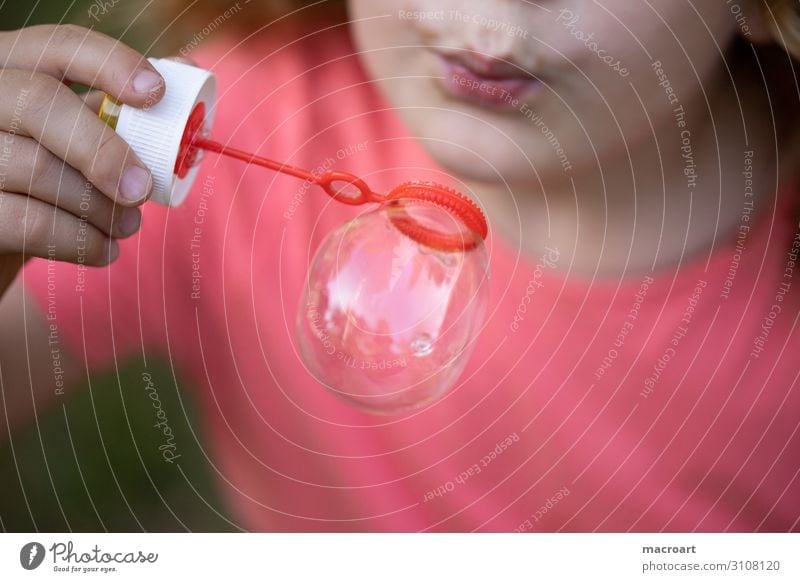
(146, 81)
(130, 220)
(112, 251)
(135, 184)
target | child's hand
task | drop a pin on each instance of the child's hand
(63, 171)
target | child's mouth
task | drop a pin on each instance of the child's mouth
(486, 82)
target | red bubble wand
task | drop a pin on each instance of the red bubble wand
(350, 189)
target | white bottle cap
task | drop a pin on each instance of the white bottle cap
(155, 132)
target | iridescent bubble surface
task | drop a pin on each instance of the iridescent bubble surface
(388, 323)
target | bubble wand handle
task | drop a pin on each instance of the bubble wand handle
(213, 146)
(350, 189)
(327, 181)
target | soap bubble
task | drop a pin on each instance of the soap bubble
(387, 323)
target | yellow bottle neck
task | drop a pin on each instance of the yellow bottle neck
(109, 111)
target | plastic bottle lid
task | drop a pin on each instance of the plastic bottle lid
(154, 132)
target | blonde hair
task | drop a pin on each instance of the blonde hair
(257, 14)
(783, 18)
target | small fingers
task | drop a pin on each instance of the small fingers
(56, 117)
(72, 53)
(37, 172)
(93, 100)
(37, 229)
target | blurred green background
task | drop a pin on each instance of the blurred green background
(93, 463)
(120, 20)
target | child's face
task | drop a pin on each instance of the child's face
(457, 71)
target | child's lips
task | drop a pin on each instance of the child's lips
(494, 84)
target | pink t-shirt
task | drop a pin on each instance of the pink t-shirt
(654, 402)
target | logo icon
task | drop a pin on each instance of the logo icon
(31, 555)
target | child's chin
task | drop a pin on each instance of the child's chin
(492, 151)
(479, 164)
